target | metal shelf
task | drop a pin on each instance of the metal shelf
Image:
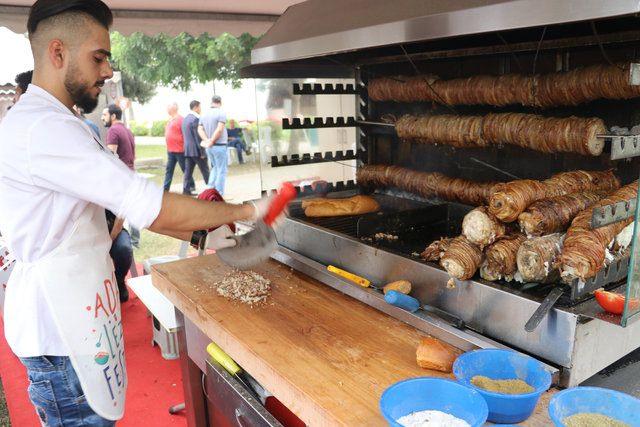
(609, 214)
(323, 188)
(308, 158)
(612, 273)
(318, 122)
(326, 89)
(623, 146)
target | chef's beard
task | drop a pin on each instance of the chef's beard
(79, 91)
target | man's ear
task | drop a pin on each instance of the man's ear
(56, 53)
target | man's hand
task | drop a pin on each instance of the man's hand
(117, 228)
(206, 143)
(261, 207)
(219, 238)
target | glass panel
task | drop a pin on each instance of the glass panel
(632, 307)
(275, 101)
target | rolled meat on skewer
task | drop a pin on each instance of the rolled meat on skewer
(554, 214)
(510, 199)
(584, 250)
(602, 81)
(426, 184)
(461, 259)
(537, 258)
(501, 258)
(481, 227)
(539, 133)
(435, 250)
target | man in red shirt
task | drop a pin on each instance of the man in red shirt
(175, 146)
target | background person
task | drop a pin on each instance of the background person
(175, 147)
(236, 140)
(23, 80)
(194, 154)
(121, 141)
(213, 131)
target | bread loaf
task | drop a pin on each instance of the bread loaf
(436, 355)
(355, 205)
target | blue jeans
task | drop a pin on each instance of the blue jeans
(218, 157)
(240, 146)
(55, 391)
(172, 159)
(122, 255)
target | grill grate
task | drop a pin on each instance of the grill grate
(417, 226)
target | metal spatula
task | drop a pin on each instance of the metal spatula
(257, 245)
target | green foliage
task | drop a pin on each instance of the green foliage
(184, 59)
(138, 129)
(277, 133)
(137, 89)
(157, 128)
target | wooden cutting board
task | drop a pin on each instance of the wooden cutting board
(325, 355)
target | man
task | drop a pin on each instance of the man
(236, 140)
(194, 154)
(175, 147)
(121, 253)
(213, 132)
(121, 141)
(62, 314)
(23, 80)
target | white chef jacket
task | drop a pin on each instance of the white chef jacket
(51, 167)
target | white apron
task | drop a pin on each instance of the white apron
(80, 289)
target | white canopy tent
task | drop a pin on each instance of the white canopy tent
(172, 16)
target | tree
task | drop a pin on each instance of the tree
(184, 59)
(137, 89)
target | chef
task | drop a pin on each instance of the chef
(62, 310)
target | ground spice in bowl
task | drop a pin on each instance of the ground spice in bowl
(514, 386)
(588, 419)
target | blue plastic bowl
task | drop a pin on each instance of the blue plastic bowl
(503, 365)
(603, 401)
(435, 394)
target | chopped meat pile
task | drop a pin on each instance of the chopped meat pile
(246, 287)
(385, 236)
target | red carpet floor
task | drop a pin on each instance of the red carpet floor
(155, 384)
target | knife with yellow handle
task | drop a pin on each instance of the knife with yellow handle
(223, 359)
(351, 277)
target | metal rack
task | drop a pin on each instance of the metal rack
(307, 158)
(326, 89)
(329, 187)
(609, 214)
(318, 122)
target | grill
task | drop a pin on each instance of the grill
(455, 39)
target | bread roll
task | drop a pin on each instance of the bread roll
(403, 286)
(355, 205)
(436, 355)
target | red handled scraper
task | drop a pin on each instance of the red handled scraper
(256, 246)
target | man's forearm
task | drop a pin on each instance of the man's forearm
(216, 135)
(180, 214)
(202, 133)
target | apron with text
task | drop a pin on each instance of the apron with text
(79, 286)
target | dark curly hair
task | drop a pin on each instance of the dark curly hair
(23, 80)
